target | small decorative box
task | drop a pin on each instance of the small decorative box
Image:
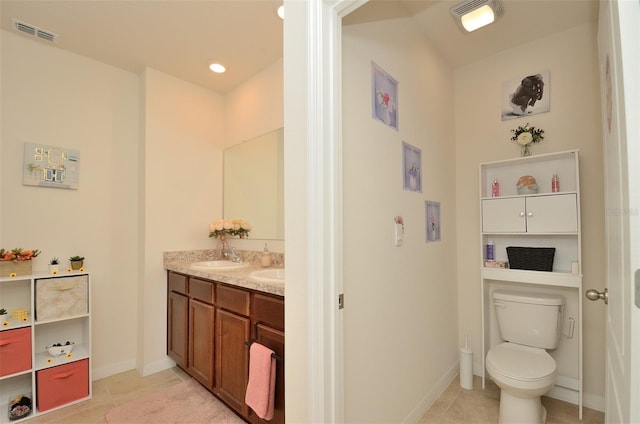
(495, 264)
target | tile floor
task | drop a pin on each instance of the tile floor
(454, 406)
(112, 391)
(459, 406)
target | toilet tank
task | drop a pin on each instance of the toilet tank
(530, 319)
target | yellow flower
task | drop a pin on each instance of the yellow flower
(24, 319)
(69, 270)
(54, 272)
(81, 269)
(13, 274)
(49, 360)
(6, 324)
(69, 355)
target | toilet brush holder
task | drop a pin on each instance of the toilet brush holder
(466, 368)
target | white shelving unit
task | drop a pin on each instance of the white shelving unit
(20, 292)
(543, 219)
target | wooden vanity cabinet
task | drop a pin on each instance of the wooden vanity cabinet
(232, 355)
(177, 318)
(208, 326)
(201, 331)
(268, 327)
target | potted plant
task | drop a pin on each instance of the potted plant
(3, 315)
(76, 262)
(54, 264)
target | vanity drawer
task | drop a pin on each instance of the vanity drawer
(268, 310)
(15, 351)
(177, 282)
(232, 299)
(201, 290)
(62, 297)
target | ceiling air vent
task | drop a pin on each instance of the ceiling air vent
(475, 10)
(34, 31)
(460, 9)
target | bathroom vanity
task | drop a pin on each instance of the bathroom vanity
(548, 218)
(212, 318)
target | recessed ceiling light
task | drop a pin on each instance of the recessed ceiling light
(217, 68)
(280, 11)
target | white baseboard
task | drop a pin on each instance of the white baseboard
(433, 394)
(157, 366)
(112, 369)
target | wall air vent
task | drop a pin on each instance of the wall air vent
(34, 31)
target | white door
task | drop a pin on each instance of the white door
(619, 20)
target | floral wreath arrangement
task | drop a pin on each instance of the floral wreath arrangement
(18, 254)
(526, 135)
(223, 228)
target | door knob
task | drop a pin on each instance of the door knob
(596, 295)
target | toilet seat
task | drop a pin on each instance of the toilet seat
(520, 363)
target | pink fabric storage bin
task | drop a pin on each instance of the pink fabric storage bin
(60, 385)
(15, 351)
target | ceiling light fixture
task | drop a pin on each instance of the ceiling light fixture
(217, 68)
(473, 14)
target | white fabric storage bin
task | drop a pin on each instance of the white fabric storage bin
(61, 297)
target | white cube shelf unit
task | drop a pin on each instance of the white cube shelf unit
(542, 219)
(52, 382)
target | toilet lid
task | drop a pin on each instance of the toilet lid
(521, 362)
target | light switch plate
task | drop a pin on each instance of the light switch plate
(399, 234)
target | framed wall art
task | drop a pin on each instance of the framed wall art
(432, 218)
(50, 166)
(411, 168)
(526, 95)
(384, 97)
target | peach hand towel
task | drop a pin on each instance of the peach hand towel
(262, 381)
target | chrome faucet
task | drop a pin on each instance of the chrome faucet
(233, 255)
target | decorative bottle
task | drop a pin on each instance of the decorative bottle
(555, 183)
(490, 256)
(495, 188)
(265, 260)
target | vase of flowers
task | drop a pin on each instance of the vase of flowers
(525, 136)
(222, 229)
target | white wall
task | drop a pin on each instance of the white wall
(61, 99)
(181, 177)
(573, 122)
(400, 318)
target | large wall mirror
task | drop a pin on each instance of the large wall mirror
(254, 184)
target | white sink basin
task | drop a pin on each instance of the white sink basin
(271, 275)
(217, 265)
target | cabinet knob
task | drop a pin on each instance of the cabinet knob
(521, 214)
(530, 214)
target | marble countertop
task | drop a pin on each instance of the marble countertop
(237, 276)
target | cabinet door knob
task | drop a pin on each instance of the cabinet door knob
(521, 214)
(530, 214)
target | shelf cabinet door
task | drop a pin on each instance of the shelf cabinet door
(201, 328)
(536, 214)
(552, 214)
(504, 215)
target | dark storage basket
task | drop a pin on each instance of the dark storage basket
(531, 258)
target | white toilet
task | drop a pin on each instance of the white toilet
(529, 323)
